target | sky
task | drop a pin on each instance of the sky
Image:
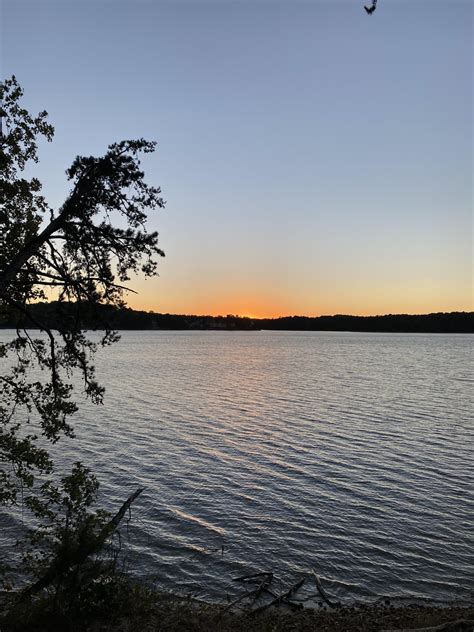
(314, 159)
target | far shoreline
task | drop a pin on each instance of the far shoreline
(55, 314)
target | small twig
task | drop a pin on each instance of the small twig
(264, 586)
(256, 592)
(322, 592)
(282, 598)
(270, 592)
(250, 593)
(248, 578)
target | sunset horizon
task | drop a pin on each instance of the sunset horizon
(258, 309)
(236, 315)
(321, 167)
(276, 315)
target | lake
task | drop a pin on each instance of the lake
(348, 453)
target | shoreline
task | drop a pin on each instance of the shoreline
(126, 319)
(145, 610)
(383, 615)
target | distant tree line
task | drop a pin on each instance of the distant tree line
(57, 315)
(440, 322)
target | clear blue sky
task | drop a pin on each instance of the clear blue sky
(314, 159)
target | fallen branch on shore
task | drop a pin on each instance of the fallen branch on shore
(322, 592)
(250, 578)
(284, 597)
(265, 579)
(263, 586)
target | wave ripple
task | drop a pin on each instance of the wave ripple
(350, 453)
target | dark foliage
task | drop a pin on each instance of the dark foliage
(80, 253)
(123, 318)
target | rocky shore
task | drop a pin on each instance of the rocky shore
(142, 610)
(174, 617)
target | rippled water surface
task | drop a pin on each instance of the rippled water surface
(348, 453)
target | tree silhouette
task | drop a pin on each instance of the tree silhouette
(81, 255)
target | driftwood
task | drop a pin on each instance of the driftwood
(263, 586)
(462, 625)
(283, 598)
(61, 566)
(250, 578)
(322, 592)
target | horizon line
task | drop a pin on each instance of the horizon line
(336, 315)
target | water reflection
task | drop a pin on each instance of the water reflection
(351, 453)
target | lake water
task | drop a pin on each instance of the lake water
(348, 453)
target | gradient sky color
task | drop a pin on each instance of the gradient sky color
(314, 160)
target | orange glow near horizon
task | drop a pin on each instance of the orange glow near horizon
(282, 314)
(272, 309)
(258, 291)
(299, 178)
